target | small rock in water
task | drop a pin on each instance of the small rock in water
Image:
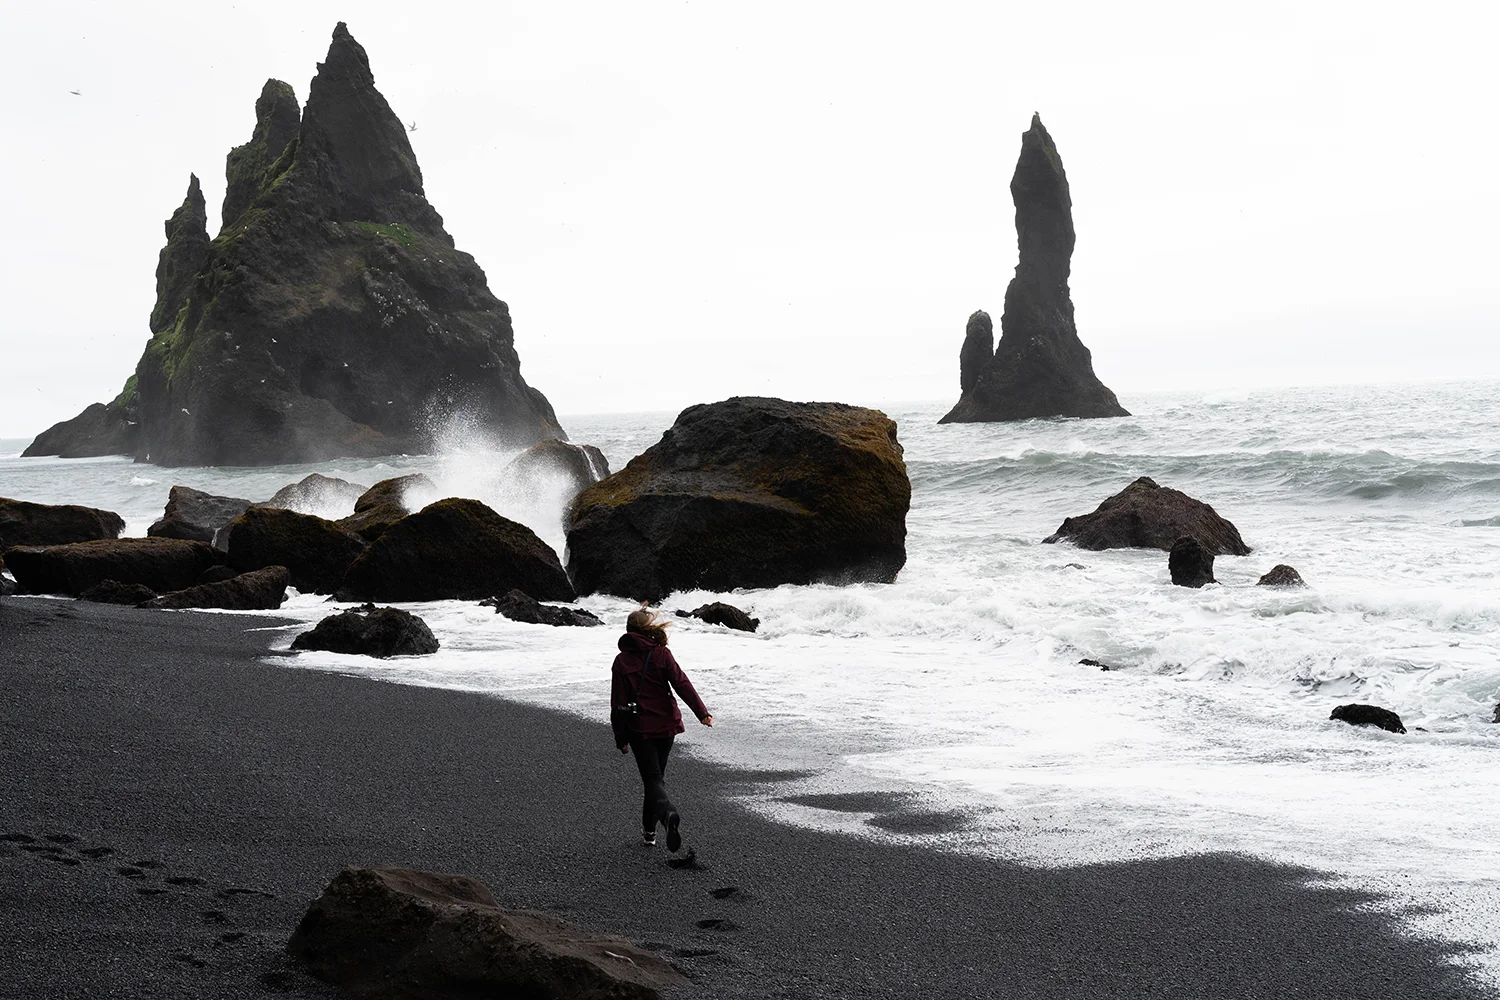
(380, 632)
(1281, 575)
(719, 613)
(1086, 662)
(1190, 564)
(519, 606)
(1368, 715)
(1145, 515)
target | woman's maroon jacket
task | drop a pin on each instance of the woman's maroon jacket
(658, 714)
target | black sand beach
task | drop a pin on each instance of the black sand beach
(169, 804)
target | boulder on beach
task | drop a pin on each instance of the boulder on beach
(320, 495)
(455, 549)
(162, 564)
(115, 592)
(257, 590)
(748, 492)
(387, 502)
(217, 574)
(332, 315)
(519, 606)
(25, 523)
(315, 551)
(1281, 575)
(196, 515)
(1190, 564)
(1040, 368)
(1368, 715)
(719, 613)
(370, 631)
(400, 933)
(1146, 516)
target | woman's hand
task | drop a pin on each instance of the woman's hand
(707, 720)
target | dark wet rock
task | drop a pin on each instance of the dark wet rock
(537, 471)
(115, 592)
(258, 590)
(719, 613)
(1040, 368)
(978, 350)
(196, 515)
(748, 492)
(1190, 564)
(217, 574)
(332, 315)
(522, 607)
(1368, 715)
(324, 496)
(387, 502)
(7, 586)
(163, 564)
(1497, 714)
(1146, 516)
(25, 523)
(400, 933)
(1281, 575)
(1086, 662)
(455, 549)
(111, 428)
(370, 631)
(315, 551)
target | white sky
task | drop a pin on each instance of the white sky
(684, 201)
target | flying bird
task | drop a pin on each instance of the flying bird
(412, 127)
(76, 93)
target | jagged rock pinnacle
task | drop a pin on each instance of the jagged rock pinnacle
(182, 257)
(277, 119)
(978, 350)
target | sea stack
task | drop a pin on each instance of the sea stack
(331, 316)
(1040, 368)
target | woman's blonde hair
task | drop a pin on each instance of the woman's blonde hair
(648, 623)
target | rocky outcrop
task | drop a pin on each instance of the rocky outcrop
(196, 515)
(398, 933)
(583, 464)
(1040, 368)
(112, 428)
(1146, 516)
(162, 564)
(387, 502)
(320, 495)
(332, 315)
(370, 631)
(749, 492)
(1281, 575)
(455, 549)
(259, 590)
(522, 607)
(315, 551)
(719, 613)
(1190, 564)
(115, 592)
(1368, 715)
(217, 574)
(25, 523)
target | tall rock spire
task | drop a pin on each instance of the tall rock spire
(1040, 368)
(182, 257)
(277, 119)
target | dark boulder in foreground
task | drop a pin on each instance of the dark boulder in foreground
(115, 592)
(1281, 575)
(748, 492)
(455, 549)
(1368, 715)
(398, 933)
(387, 502)
(197, 516)
(522, 607)
(1190, 564)
(1040, 368)
(1146, 516)
(163, 564)
(370, 631)
(323, 496)
(258, 590)
(315, 551)
(25, 523)
(719, 613)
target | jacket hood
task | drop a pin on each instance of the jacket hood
(634, 642)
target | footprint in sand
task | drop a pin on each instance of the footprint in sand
(214, 916)
(724, 891)
(183, 880)
(717, 924)
(130, 872)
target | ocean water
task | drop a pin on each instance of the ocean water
(960, 686)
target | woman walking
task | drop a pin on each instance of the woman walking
(645, 716)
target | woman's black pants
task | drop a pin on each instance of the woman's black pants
(651, 760)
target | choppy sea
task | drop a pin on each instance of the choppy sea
(960, 683)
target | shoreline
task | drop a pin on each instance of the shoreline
(169, 739)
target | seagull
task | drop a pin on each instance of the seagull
(76, 93)
(184, 410)
(412, 127)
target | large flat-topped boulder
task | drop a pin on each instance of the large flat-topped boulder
(162, 564)
(1146, 516)
(25, 523)
(1040, 368)
(196, 515)
(258, 590)
(400, 934)
(748, 492)
(315, 551)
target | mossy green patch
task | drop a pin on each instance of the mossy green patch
(396, 231)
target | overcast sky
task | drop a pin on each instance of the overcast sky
(685, 201)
